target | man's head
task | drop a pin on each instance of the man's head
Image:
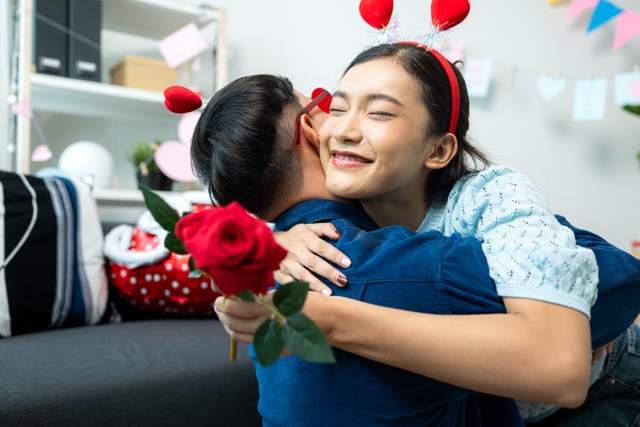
(243, 146)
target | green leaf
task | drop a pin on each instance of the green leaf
(246, 296)
(174, 244)
(164, 214)
(268, 342)
(194, 271)
(634, 109)
(290, 298)
(303, 338)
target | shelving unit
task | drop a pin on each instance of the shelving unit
(93, 102)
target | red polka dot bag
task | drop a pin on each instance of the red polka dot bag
(150, 277)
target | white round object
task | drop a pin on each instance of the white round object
(88, 161)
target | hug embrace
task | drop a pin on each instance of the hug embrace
(458, 298)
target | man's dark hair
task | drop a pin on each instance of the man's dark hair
(243, 146)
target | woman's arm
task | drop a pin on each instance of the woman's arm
(537, 352)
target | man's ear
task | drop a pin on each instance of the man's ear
(308, 132)
(441, 151)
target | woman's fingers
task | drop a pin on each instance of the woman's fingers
(309, 253)
(240, 318)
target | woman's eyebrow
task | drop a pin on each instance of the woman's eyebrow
(370, 98)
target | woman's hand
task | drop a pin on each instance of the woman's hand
(307, 254)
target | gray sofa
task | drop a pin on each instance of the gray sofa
(160, 372)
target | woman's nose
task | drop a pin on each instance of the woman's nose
(348, 130)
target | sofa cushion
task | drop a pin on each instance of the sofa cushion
(52, 270)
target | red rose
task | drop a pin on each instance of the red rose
(236, 249)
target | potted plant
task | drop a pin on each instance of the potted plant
(147, 171)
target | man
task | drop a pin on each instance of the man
(244, 150)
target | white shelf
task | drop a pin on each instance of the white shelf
(161, 17)
(91, 99)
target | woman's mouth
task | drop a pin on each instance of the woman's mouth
(347, 159)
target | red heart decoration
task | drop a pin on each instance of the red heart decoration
(376, 13)
(325, 104)
(446, 14)
(179, 99)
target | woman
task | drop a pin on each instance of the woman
(389, 133)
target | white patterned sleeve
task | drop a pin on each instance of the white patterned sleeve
(530, 254)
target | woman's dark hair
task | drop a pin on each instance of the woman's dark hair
(436, 95)
(243, 145)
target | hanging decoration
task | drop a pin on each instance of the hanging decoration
(628, 22)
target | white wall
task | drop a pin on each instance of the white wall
(587, 170)
(6, 26)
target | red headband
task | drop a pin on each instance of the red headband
(453, 84)
(445, 14)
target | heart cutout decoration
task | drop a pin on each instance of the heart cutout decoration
(550, 87)
(325, 104)
(376, 13)
(179, 100)
(446, 14)
(174, 160)
(634, 89)
(41, 153)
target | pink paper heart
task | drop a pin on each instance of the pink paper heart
(634, 88)
(41, 153)
(174, 160)
(186, 126)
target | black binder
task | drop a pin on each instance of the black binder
(85, 24)
(50, 25)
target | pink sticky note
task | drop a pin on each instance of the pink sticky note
(182, 45)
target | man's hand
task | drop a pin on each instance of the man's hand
(595, 356)
(308, 253)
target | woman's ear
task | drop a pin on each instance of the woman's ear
(442, 151)
(308, 132)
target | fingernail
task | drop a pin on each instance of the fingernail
(326, 292)
(338, 233)
(346, 262)
(342, 280)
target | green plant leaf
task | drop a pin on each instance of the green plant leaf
(303, 338)
(290, 298)
(246, 296)
(634, 109)
(164, 214)
(174, 244)
(268, 342)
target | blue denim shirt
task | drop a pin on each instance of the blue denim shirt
(393, 267)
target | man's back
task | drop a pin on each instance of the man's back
(396, 268)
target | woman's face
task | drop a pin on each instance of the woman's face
(374, 143)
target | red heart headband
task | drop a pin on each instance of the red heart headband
(445, 14)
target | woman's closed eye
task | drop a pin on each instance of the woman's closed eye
(335, 111)
(381, 114)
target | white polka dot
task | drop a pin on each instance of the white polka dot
(164, 277)
(133, 280)
(167, 293)
(147, 301)
(168, 266)
(185, 267)
(113, 275)
(204, 285)
(148, 247)
(123, 273)
(156, 278)
(175, 284)
(143, 291)
(161, 302)
(148, 277)
(186, 291)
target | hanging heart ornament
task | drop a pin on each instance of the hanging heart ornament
(179, 100)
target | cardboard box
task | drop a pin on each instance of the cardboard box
(143, 73)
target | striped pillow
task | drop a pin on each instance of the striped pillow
(52, 270)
